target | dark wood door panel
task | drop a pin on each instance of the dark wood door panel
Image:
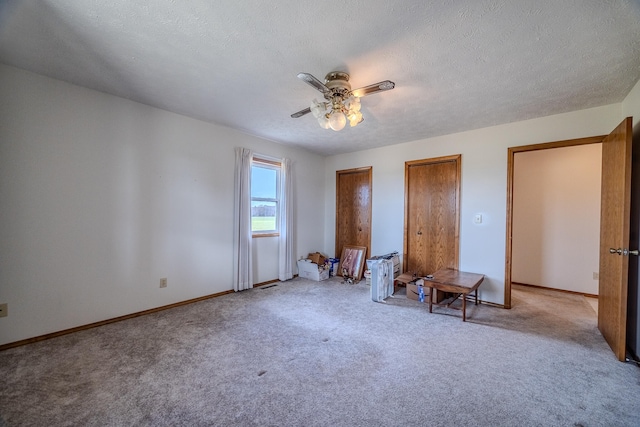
(353, 208)
(431, 214)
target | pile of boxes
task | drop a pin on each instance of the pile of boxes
(315, 267)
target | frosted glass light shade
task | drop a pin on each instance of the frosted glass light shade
(354, 117)
(337, 120)
(323, 122)
(353, 104)
(318, 109)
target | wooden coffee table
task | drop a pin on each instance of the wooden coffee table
(457, 282)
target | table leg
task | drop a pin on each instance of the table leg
(464, 308)
(476, 296)
(430, 299)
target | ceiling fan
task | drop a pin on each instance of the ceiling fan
(341, 103)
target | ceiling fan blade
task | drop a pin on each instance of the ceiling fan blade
(301, 113)
(371, 89)
(312, 81)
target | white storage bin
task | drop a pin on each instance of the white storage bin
(310, 271)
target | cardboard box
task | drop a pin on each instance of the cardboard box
(412, 293)
(310, 270)
(317, 258)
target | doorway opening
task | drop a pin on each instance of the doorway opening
(512, 257)
(615, 210)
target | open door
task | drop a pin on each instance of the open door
(614, 237)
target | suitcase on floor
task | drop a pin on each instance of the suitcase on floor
(381, 279)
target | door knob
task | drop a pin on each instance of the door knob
(625, 252)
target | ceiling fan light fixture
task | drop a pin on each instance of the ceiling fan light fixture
(337, 120)
(343, 104)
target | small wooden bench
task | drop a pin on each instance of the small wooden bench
(454, 281)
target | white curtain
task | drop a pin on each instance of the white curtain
(286, 256)
(242, 263)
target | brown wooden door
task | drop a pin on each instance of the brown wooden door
(432, 200)
(614, 237)
(353, 209)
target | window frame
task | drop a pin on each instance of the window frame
(264, 163)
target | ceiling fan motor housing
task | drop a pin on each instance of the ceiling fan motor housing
(338, 84)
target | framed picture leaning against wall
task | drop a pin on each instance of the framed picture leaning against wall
(352, 262)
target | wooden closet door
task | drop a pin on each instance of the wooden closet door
(432, 198)
(353, 209)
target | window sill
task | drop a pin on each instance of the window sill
(265, 235)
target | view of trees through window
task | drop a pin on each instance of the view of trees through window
(264, 197)
(263, 216)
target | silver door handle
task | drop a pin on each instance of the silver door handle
(625, 252)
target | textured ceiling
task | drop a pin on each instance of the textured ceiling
(458, 65)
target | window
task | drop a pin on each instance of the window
(265, 197)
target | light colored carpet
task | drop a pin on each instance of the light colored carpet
(305, 353)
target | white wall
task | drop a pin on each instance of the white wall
(556, 217)
(101, 197)
(484, 185)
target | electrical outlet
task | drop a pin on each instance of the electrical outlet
(596, 276)
(4, 310)
(163, 282)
